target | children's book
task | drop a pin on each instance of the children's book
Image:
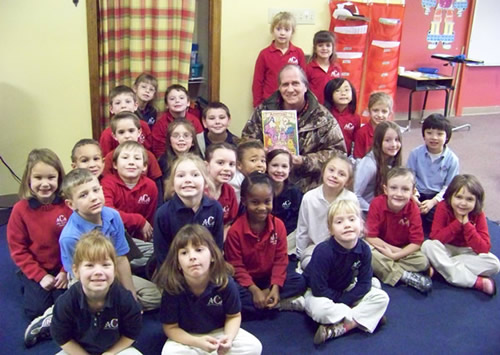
(280, 130)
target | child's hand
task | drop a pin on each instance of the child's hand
(385, 250)
(208, 343)
(417, 201)
(61, 280)
(273, 297)
(147, 231)
(47, 282)
(427, 205)
(224, 345)
(258, 297)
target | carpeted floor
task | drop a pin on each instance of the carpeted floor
(447, 321)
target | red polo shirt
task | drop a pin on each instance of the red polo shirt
(318, 78)
(267, 67)
(349, 124)
(229, 203)
(108, 143)
(398, 229)
(363, 141)
(257, 256)
(135, 205)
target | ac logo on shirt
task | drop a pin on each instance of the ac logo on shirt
(61, 220)
(293, 60)
(274, 238)
(335, 74)
(286, 205)
(349, 126)
(209, 222)
(144, 200)
(404, 221)
(215, 301)
(111, 324)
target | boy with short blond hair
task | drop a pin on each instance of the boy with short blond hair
(126, 126)
(87, 154)
(145, 87)
(130, 192)
(123, 98)
(274, 57)
(394, 232)
(85, 197)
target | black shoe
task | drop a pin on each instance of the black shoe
(420, 282)
(38, 329)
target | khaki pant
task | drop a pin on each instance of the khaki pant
(390, 271)
(460, 266)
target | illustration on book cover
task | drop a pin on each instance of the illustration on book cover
(280, 130)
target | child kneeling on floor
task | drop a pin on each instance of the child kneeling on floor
(341, 296)
(97, 315)
(200, 308)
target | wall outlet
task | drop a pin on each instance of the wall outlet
(302, 16)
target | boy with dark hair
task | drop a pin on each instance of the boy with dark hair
(434, 164)
(87, 154)
(122, 98)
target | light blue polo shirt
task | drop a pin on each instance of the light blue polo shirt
(112, 227)
(433, 177)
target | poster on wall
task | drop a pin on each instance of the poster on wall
(442, 22)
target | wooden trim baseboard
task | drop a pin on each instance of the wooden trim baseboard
(93, 53)
(214, 52)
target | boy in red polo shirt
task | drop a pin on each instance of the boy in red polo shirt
(394, 232)
(130, 192)
(271, 59)
(122, 98)
(379, 108)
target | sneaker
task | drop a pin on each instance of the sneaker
(292, 304)
(420, 282)
(486, 285)
(326, 332)
(38, 329)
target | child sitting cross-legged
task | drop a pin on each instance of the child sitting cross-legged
(341, 296)
(201, 309)
(256, 247)
(459, 244)
(97, 315)
(394, 232)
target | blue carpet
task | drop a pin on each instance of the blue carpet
(448, 321)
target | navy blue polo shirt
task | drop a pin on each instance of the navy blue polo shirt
(201, 315)
(230, 138)
(286, 206)
(95, 332)
(333, 268)
(173, 215)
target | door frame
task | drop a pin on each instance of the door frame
(215, 10)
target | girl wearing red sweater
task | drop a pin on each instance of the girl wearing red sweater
(256, 247)
(459, 248)
(33, 232)
(340, 99)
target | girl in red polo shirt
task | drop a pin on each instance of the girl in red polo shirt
(340, 99)
(459, 244)
(322, 66)
(256, 247)
(33, 232)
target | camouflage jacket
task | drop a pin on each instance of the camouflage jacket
(319, 136)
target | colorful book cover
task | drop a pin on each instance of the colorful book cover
(280, 130)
